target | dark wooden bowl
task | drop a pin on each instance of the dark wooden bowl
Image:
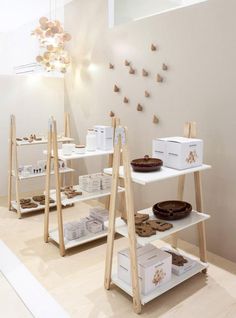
(146, 164)
(172, 210)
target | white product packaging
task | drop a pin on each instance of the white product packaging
(99, 213)
(42, 164)
(27, 170)
(74, 230)
(154, 267)
(91, 140)
(104, 137)
(179, 152)
(94, 226)
(179, 270)
(90, 183)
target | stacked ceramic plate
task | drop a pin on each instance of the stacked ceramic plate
(172, 210)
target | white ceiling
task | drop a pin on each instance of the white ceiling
(14, 13)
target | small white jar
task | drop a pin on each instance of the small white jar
(91, 140)
(80, 149)
(67, 149)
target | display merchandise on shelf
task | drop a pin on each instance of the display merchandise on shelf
(127, 227)
(20, 173)
(62, 198)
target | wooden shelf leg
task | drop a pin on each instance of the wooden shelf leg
(10, 167)
(131, 230)
(58, 191)
(47, 187)
(201, 226)
(112, 217)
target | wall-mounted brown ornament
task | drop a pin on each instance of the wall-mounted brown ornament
(116, 89)
(139, 108)
(155, 119)
(127, 63)
(131, 70)
(164, 67)
(146, 94)
(111, 66)
(159, 78)
(112, 114)
(153, 47)
(125, 100)
(144, 72)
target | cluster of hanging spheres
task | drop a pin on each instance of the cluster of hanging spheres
(52, 39)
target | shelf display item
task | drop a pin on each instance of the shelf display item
(144, 230)
(179, 152)
(70, 192)
(154, 267)
(74, 230)
(95, 182)
(146, 164)
(104, 137)
(99, 213)
(172, 210)
(139, 218)
(159, 226)
(80, 149)
(91, 140)
(94, 226)
(180, 264)
(67, 149)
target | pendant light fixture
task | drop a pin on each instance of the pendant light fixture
(52, 40)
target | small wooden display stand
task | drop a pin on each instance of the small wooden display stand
(128, 230)
(57, 235)
(13, 171)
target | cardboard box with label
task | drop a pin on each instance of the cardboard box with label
(179, 152)
(154, 267)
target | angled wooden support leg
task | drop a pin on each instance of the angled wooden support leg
(10, 166)
(58, 190)
(47, 187)
(112, 216)
(200, 226)
(131, 229)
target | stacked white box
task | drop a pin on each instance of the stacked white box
(154, 267)
(74, 230)
(90, 183)
(179, 152)
(104, 136)
(99, 213)
(94, 226)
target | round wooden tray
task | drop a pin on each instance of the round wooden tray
(146, 164)
(172, 210)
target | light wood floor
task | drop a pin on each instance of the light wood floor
(76, 281)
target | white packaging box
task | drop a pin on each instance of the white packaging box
(90, 183)
(73, 230)
(154, 267)
(99, 213)
(104, 136)
(179, 270)
(179, 152)
(94, 226)
(98, 137)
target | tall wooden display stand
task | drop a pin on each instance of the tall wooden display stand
(13, 171)
(53, 155)
(121, 147)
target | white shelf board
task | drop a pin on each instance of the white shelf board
(178, 225)
(85, 195)
(42, 142)
(175, 280)
(150, 177)
(43, 174)
(54, 235)
(38, 208)
(85, 155)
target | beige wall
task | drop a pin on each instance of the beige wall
(198, 44)
(32, 99)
